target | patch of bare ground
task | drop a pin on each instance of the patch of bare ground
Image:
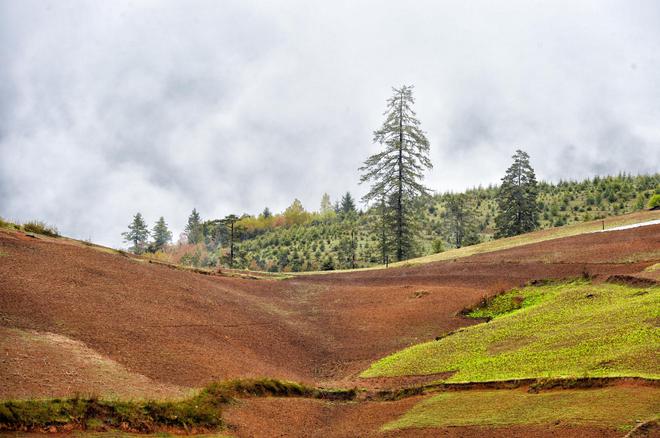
(53, 365)
(278, 417)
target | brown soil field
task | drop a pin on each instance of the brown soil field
(74, 319)
(274, 417)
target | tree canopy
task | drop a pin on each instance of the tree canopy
(518, 207)
(194, 229)
(137, 234)
(161, 234)
(396, 173)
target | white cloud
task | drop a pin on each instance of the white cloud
(107, 108)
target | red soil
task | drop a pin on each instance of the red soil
(274, 417)
(182, 329)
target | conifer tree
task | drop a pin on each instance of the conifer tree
(348, 243)
(137, 234)
(194, 228)
(398, 170)
(459, 221)
(347, 204)
(381, 224)
(518, 208)
(161, 234)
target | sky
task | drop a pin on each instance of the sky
(108, 108)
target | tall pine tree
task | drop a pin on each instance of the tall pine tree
(161, 235)
(347, 205)
(137, 234)
(518, 208)
(194, 229)
(459, 221)
(398, 170)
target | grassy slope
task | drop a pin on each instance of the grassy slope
(575, 329)
(616, 407)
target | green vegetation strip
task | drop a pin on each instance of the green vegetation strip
(574, 329)
(616, 407)
(200, 411)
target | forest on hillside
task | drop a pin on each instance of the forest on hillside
(338, 235)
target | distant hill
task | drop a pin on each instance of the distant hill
(312, 241)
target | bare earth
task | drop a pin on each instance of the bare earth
(78, 320)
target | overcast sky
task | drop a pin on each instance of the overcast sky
(113, 107)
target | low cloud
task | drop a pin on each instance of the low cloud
(108, 108)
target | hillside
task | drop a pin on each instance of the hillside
(311, 241)
(76, 319)
(555, 330)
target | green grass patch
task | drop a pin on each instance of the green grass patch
(574, 329)
(39, 227)
(612, 407)
(203, 410)
(502, 304)
(8, 225)
(653, 268)
(199, 411)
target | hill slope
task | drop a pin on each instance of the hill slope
(78, 320)
(312, 241)
(151, 318)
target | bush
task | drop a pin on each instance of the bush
(654, 202)
(5, 224)
(40, 227)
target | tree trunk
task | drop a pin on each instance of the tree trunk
(399, 207)
(383, 242)
(231, 247)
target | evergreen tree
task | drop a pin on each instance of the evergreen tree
(194, 229)
(348, 243)
(295, 213)
(381, 222)
(459, 221)
(398, 169)
(161, 235)
(347, 205)
(518, 208)
(328, 264)
(266, 213)
(137, 234)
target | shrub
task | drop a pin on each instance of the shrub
(40, 227)
(654, 202)
(5, 224)
(437, 246)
